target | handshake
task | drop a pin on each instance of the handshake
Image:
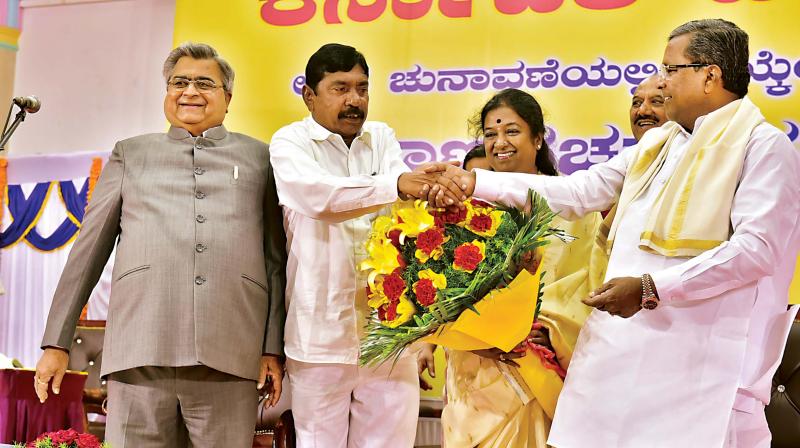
(442, 184)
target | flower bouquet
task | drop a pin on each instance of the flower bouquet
(457, 279)
(68, 438)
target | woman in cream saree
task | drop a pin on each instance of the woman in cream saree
(483, 409)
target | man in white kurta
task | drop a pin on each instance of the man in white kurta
(334, 172)
(696, 370)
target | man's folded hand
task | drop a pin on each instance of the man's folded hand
(451, 179)
(419, 184)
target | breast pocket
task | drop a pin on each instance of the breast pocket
(246, 177)
(247, 191)
(133, 272)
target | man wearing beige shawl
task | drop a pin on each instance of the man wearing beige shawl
(692, 320)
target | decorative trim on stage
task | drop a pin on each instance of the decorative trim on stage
(26, 211)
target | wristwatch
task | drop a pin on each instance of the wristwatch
(649, 298)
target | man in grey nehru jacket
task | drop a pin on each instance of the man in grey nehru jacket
(195, 322)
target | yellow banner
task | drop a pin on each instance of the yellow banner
(433, 63)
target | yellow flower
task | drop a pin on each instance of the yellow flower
(382, 259)
(415, 219)
(423, 257)
(483, 221)
(439, 280)
(381, 227)
(376, 298)
(405, 312)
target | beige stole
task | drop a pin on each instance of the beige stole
(691, 213)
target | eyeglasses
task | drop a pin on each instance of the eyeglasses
(202, 85)
(666, 70)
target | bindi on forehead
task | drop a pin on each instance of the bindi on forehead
(499, 121)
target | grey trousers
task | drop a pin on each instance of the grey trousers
(171, 407)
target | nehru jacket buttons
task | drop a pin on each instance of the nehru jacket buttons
(200, 248)
(199, 171)
(200, 218)
(199, 280)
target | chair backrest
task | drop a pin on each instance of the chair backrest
(783, 412)
(266, 417)
(86, 354)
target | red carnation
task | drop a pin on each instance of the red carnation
(426, 292)
(481, 223)
(63, 436)
(394, 237)
(467, 257)
(430, 240)
(479, 203)
(388, 312)
(382, 312)
(88, 441)
(393, 286)
(440, 218)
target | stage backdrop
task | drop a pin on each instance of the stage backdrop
(433, 63)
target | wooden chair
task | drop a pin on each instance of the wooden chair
(783, 412)
(275, 426)
(86, 355)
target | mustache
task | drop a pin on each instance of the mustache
(646, 117)
(352, 111)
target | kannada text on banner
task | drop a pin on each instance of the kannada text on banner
(433, 63)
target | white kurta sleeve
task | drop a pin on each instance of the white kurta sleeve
(572, 197)
(306, 187)
(764, 215)
(392, 162)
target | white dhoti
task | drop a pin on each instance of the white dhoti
(344, 405)
(748, 429)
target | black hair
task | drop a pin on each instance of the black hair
(526, 106)
(722, 43)
(332, 58)
(476, 152)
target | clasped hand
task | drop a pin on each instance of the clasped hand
(620, 296)
(442, 184)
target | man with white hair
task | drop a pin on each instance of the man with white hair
(195, 321)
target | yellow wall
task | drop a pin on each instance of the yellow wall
(794, 290)
(8, 56)
(7, 65)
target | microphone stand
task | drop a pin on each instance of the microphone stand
(9, 130)
(4, 137)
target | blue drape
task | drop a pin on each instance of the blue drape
(26, 211)
(75, 202)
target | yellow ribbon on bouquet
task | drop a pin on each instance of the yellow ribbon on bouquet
(504, 320)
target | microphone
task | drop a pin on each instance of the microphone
(30, 103)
